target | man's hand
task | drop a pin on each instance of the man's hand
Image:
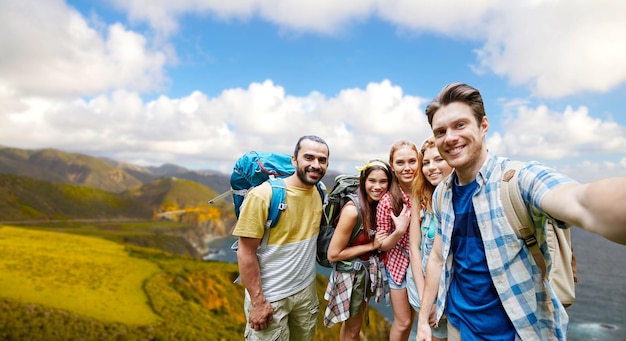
(432, 318)
(261, 315)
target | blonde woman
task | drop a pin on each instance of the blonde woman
(392, 215)
(432, 169)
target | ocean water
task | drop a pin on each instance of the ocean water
(599, 313)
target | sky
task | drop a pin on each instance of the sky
(197, 83)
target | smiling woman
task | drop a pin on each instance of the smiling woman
(87, 276)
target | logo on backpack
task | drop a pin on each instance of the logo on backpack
(344, 189)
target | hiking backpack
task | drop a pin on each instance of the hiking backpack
(254, 168)
(344, 189)
(563, 274)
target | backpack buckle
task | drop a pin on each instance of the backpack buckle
(530, 240)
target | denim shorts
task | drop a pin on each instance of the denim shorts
(393, 284)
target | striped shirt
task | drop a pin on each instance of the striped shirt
(287, 263)
(516, 278)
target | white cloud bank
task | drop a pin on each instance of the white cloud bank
(67, 85)
(48, 49)
(554, 135)
(358, 124)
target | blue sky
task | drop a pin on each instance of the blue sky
(199, 82)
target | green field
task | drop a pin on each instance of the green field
(89, 276)
(94, 282)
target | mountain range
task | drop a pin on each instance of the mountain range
(51, 184)
(102, 173)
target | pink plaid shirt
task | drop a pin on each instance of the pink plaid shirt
(397, 258)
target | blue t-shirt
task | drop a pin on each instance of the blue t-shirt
(474, 307)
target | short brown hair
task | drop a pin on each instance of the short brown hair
(457, 92)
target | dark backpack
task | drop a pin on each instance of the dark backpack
(344, 189)
(254, 168)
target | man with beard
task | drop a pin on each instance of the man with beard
(280, 298)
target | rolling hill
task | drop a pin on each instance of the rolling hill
(103, 173)
(60, 286)
(24, 198)
(109, 250)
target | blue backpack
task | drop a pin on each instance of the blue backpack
(254, 168)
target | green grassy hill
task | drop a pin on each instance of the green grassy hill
(72, 168)
(174, 192)
(59, 286)
(99, 172)
(26, 200)
(23, 198)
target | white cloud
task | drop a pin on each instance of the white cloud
(587, 171)
(49, 49)
(545, 134)
(358, 124)
(558, 48)
(51, 57)
(320, 16)
(450, 17)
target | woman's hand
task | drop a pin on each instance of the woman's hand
(402, 220)
(379, 238)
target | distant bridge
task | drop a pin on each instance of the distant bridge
(169, 214)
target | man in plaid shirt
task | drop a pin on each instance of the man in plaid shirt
(479, 271)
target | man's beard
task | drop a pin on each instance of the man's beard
(301, 173)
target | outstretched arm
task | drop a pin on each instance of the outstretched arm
(598, 207)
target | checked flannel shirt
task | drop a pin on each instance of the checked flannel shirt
(516, 277)
(339, 291)
(397, 258)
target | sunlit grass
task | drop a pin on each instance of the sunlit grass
(63, 286)
(89, 276)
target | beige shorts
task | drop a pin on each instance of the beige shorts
(295, 317)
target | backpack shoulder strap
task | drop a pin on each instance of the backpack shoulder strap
(516, 212)
(321, 188)
(277, 202)
(277, 205)
(358, 226)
